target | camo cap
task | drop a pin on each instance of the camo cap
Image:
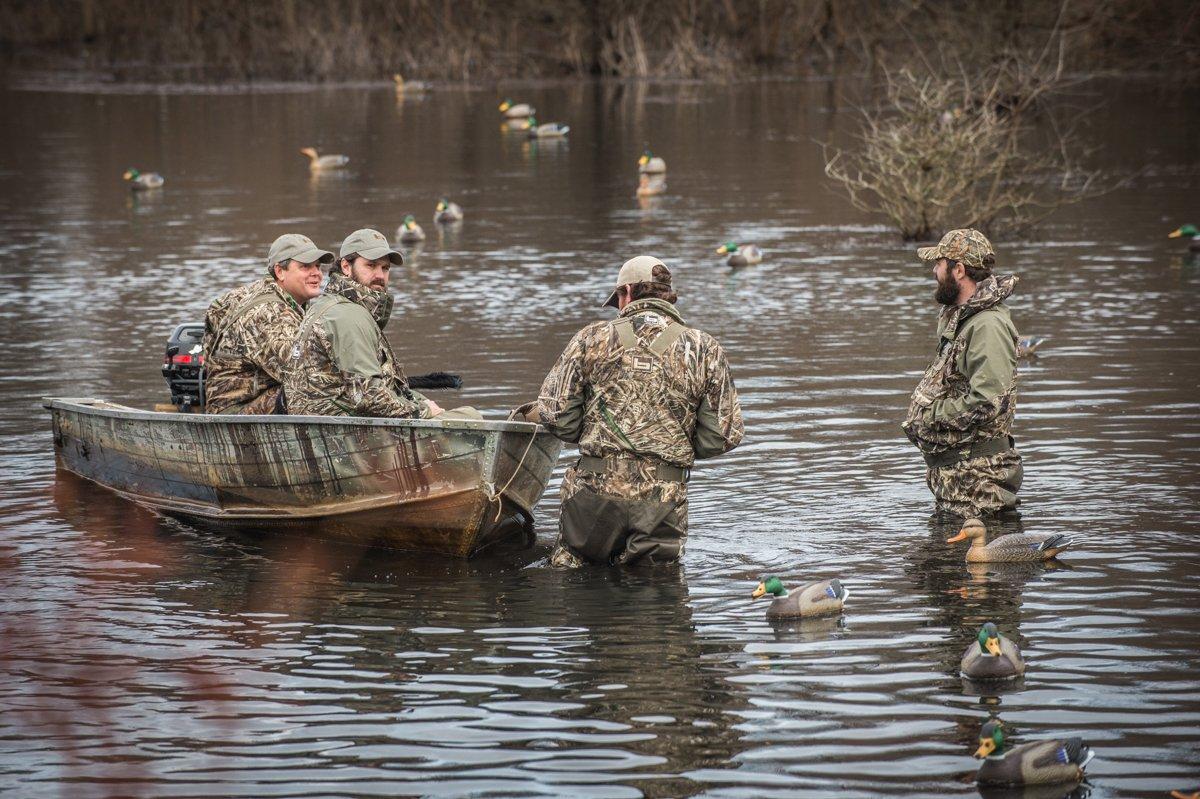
(370, 244)
(966, 245)
(295, 247)
(639, 269)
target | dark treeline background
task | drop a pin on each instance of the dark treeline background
(268, 40)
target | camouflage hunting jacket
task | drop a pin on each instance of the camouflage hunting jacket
(615, 392)
(341, 364)
(969, 393)
(248, 334)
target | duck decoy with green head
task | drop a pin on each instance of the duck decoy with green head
(826, 598)
(1191, 232)
(1051, 762)
(140, 181)
(740, 254)
(991, 656)
(410, 232)
(651, 164)
(1013, 548)
(549, 130)
(446, 212)
(516, 110)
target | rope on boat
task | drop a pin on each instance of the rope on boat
(493, 494)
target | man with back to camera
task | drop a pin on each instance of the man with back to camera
(961, 412)
(249, 330)
(643, 396)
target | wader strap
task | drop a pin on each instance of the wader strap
(667, 338)
(663, 471)
(625, 333)
(981, 449)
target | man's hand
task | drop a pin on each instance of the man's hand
(528, 412)
(435, 409)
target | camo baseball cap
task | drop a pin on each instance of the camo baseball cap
(966, 245)
(639, 269)
(295, 247)
(370, 244)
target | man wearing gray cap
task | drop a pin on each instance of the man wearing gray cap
(249, 330)
(341, 363)
(644, 396)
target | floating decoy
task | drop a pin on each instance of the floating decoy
(139, 181)
(1050, 762)
(446, 212)
(1008, 548)
(650, 164)
(549, 130)
(826, 598)
(1027, 347)
(740, 255)
(991, 656)
(410, 232)
(516, 111)
(410, 86)
(319, 163)
(1193, 234)
(650, 186)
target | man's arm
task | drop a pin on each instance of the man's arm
(990, 362)
(561, 400)
(719, 426)
(353, 337)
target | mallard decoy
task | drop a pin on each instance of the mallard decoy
(740, 255)
(410, 232)
(1050, 762)
(1008, 548)
(1192, 232)
(319, 163)
(1027, 347)
(826, 598)
(516, 111)
(549, 130)
(991, 656)
(446, 212)
(409, 86)
(140, 181)
(650, 186)
(650, 164)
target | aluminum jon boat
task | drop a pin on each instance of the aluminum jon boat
(450, 487)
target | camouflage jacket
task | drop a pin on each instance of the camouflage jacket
(969, 393)
(341, 363)
(248, 333)
(612, 399)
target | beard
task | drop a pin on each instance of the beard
(947, 290)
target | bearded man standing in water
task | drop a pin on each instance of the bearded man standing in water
(961, 412)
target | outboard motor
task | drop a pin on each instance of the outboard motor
(183, 366)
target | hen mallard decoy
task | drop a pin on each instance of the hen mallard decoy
(1027, 347)
(139, 181)
(991, 656)
(740, 254)
(1008, 548)
(1192, 232)
(446, 212)
(1050, 762)
(319, 163)
(517, 110)
(549, 130)
(650, 164)
(826, 598)
(410, 232)
(409, 86)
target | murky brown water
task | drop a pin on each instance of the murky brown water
(143, 657)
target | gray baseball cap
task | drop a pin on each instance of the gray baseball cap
(370, 244)
(295, 247)
(639, 269)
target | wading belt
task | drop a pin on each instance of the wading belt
(980, 449)
(663, 471)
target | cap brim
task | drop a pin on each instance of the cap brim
(375, 254)
(312, 256)
(613, 301)
(927, 253)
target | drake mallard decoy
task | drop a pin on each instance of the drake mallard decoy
(549, 130)
(139, 181)
(446, 212)
(319, 163)
(650, 164)
(516, 111)
(1048, 762)
(740, 254)
(1008, 548)
(1027, 347)
(649, 186)
(991, 656)
(410, 232)
(1192, 232)
(826, 598)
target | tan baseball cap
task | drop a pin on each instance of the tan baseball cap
(295, 247)
(370, 244)
(965, 244)
(639, 269)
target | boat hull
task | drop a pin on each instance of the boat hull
(451, 488)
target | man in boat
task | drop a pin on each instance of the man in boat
(341, 363)
(249, 330)
(644, 396)
(961, 412)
